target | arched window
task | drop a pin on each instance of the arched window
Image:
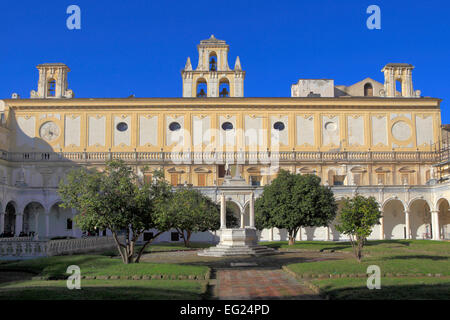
(51, 88)
(368, 90)
(202, 88)
(213, 62)
(224, 88)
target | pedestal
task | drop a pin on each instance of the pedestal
(237, 242)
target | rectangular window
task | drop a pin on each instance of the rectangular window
(69, 224)
(174, 179)
(221, 170)
(202, 179)
(255, 181)
(405, 178)
(338, 180)
(148, 236)
(357, 179)
(381, 178)
(174, 236)
(147, 178)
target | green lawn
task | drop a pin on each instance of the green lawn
(104, 289)
(402, 257)
(164, 247)
(372, 247)
(98, 265)
(394, 257)
(391, 288)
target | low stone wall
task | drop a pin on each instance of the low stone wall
(12, 248)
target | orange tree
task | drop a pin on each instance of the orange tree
(293, 201)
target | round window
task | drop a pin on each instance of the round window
(174, 126)
(278, 126)
(227, 126)
(122, 126)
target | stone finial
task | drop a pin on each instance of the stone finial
(188, 66)
(237, 65)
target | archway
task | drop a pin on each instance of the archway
(235, 210)
(34, 219)
(224, 88)
(394, 220)
(202, 88)
(10, 220)
(420, 219)
(444, 218)
(61, 221)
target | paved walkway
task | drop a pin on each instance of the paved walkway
(255, 284)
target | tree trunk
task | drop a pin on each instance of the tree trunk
(141, 251)
(188, 238)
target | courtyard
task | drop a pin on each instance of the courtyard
(410, 269)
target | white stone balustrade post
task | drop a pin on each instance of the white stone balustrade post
(252, 210)
(435, 225)
(382, 226)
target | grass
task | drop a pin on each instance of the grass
(394, 257)
(98, 265)
(164, 247)
(104, 289)
(391, 289)
(401, 256)
(372, 247)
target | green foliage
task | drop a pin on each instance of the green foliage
(358, 215)
(114, 199)
(190, 211)
(292, 201)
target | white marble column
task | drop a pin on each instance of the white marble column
(407, 224)
(2, 222)
(242, 220)
(252, 210)
(223, 212)
(271, 234)
(47, 224)
(382, 226)
(328, 233)
(36, 222)
(19, 224)
(435, 225)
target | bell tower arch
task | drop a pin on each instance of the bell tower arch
(52, 82)
(213, 72)
(401, 72)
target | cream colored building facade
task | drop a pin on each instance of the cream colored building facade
(367, 138)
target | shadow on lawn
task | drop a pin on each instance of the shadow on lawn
(391, 292)
(408, 257)
(99, 292)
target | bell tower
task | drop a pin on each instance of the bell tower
(52, 82)
(213, 77)
(401, 72)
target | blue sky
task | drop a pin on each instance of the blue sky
(139, 47)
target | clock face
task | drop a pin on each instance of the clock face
(49, 131)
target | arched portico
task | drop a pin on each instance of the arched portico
(420, 219)
(33, 219)
(394, 220)
(61, 221)
(9, 219)
(442, 219)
